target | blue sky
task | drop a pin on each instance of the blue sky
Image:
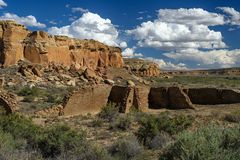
(176, 34)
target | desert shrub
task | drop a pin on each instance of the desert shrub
(60, 139)
(20, 128)
(20, 137)
(109, 112)
(7, 142)
(206, 143)
(148, 129)
(139, 116)
(92, 151)
(51, 98)
(126, 148)
(174, 125)
(98, 122)
(230, 139)
(122, 122)
(233, 116)
(160, 141)
(34, 91)
(151, 126)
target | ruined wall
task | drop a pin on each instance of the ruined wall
(140, 101)
(178, 99)
(87, 100)
(122, 96)
(40, 47)
(8, 101)
(143, 98)
(213, 96)
(172, 98)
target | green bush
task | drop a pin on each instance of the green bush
(122, 122)
(34, 91)
(206, 143)
(151, 126)
(109, 112)
(233, 116)
(60, 139)
(126, 148)
(161, 141)
(174, 125)
(21, 139)
(97, 122)
(148, 129)
(7, 142)
(20, 128)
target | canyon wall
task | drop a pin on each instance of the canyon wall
(18, 43)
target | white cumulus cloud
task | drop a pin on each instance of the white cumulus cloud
(192, 16)
(186, 36)
(130, 53)
(222, 58)
(234, 16)
(164, 35)
(167, 65)
(90, 26)
(30, 20)
(2, 4)
(79, 9)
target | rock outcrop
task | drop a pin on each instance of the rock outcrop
(142, 67)
(18, 43)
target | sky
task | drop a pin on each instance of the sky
(176, 34)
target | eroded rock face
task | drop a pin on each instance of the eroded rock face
(12, 36)
(39, 47)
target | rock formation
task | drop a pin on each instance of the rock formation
(18, 43)
(142, 68)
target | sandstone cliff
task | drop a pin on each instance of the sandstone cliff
(18, 43)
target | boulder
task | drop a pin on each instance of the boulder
(130, 83)
(89, 74)
(109, 81)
